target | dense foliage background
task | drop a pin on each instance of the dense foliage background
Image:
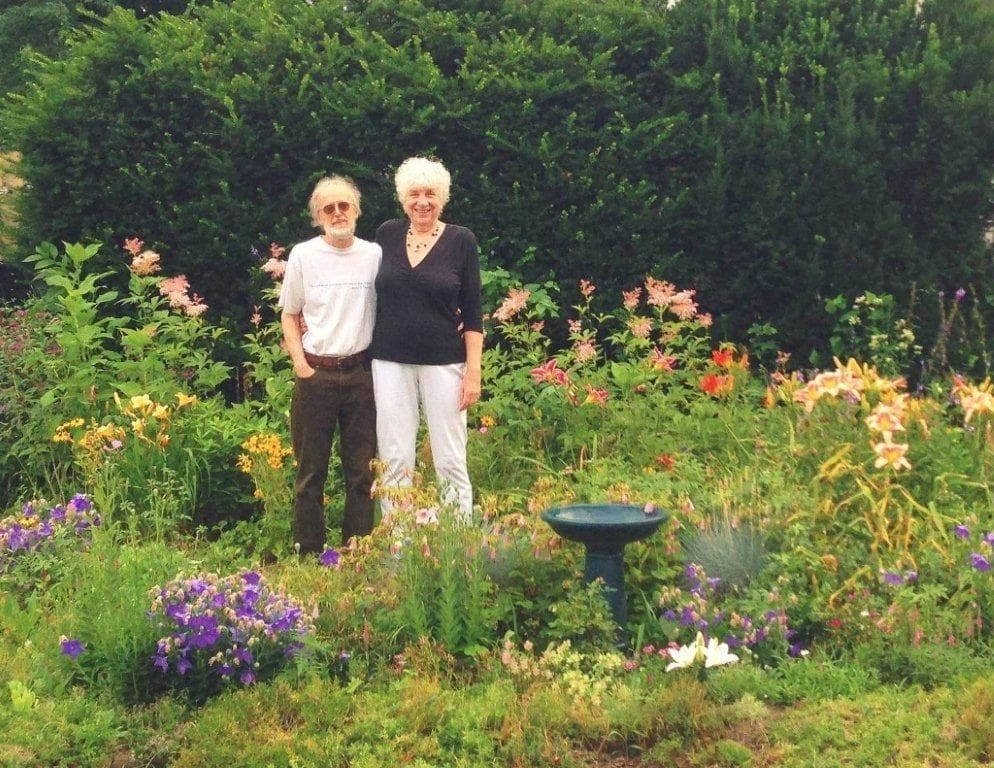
(772, 153)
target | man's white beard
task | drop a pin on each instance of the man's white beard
(347, 230)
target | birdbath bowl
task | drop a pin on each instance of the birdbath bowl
(604, 530)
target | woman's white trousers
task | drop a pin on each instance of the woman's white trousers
(402, 391)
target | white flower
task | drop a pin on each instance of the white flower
(686, 655)
(712, 653)
(716, 654)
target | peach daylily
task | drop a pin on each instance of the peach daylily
(596, 396)
(975, 401)
(885, 419)
(891, 455)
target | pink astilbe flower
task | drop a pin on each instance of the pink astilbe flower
(276, 250)
(660, 293)
(683, 306)
(575, 326)
(175, 289)
(178, 284)
(640, 327)
(275, 268)
(705, 319)
(133, 245)
(517, 300)
(584, 350)
(632, 298)
(587, 288)
(179, 300)
(145, 263)
(196, 307)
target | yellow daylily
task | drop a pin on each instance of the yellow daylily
(141, 402)
(185, 400)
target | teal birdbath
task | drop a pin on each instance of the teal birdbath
(604, 530)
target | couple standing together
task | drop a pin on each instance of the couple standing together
(390, 328)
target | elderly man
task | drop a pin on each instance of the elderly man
(329, 284)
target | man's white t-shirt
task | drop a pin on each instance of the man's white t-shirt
(334, 289)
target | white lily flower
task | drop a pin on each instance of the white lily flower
(686, 655)
(716, 654)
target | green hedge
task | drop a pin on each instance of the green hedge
(770, 153)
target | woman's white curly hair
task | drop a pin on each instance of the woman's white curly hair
(422, 173)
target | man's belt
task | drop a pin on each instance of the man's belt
(335, 363)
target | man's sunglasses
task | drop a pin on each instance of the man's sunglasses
(341, 206)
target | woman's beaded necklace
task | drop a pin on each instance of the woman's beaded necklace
(414, 246)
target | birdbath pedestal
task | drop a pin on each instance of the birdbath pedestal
(604, 530)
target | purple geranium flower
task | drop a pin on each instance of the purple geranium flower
(892, 578)
(251, 577)
(71, 647)
(961, 532)
(330, 558)
(81, 503)
(980, 562)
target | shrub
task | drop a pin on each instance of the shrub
(720, 142)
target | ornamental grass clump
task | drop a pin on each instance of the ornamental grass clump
(34, 529)
(728, 550)
(220, 631)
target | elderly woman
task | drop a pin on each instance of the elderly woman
(428, 337)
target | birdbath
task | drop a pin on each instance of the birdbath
(604, 530)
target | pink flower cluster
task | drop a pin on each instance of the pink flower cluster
(275, 267)
(143, 263)
(176, 289)
(517, 299)
(663, 294)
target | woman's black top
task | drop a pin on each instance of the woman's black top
(422, 311)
